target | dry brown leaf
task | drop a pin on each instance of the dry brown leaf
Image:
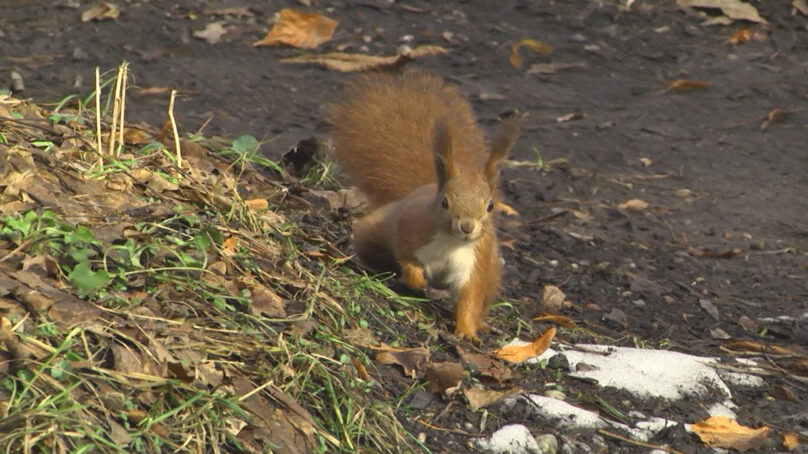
(559, 320)
(298, 29)
(791, 441)
(257, 204)
(633, 205)
(741, 36)
(553, 299)
(723, 432)
(570, 117)
(347, 62)
(801, 6)
(443, 377)
(520, 353)
(101, 11)
(532, 44)
(360, 369)
(264, 301)
(774, 116)
(485, 365)
(733, 9)
(687, 85)
(479, 398)
(412, 360)
(212, 33)
(784, 393)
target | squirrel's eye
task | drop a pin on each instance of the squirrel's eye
(444, 203)
(490, 205)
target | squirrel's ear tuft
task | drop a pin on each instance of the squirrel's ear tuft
(503, 141)
(442, 150)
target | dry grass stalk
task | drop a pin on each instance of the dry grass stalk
(174, 127)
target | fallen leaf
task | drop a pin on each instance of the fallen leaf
(741, 36)
(553, 299)
(791, 441)
(801, 6)
(733, 9)
(520, 353)
(348, 62)
(559, 320)
(485, 365)
(257, 204)
(412, 360)
(773, 116)
(687, 85)
(479, 397)
(723, 432)
(212, 33)
(443, 377)
(633, 205)
(570, 117)
(101, 11)
(782, 392)
(360, 369)
(298, 29)
(264, 301)
(709, 307)
(532, 44)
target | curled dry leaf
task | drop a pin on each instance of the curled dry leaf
(480, 397)
(532, 44)
(347, 62)
(774, 116)
(801, 6)
(791, 441)
(444, 377)
(553, 299)
(298, 29)
(687, 85)
(733, 9)
(559, 320)
(723, 432)
(520, 353)
(741, 36)
(633, 205)
(101, 11)
(412, 360)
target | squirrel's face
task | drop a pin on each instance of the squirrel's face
(466, 204)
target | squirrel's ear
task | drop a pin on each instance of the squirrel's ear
(442, 150)
(503, 141)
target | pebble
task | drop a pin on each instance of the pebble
(548, 444)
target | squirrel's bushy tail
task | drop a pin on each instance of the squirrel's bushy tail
(383, 135)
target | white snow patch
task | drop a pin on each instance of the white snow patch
(510, 439)
(723, 409)
(649, 373)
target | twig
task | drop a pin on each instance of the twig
(98, 118)
(124, 75)
(174, 127)
(638, 443)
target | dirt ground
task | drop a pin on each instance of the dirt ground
(724, 237)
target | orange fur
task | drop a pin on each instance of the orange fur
(411, 143)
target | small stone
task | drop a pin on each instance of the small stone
(548, 444)
(555, 394)
(559, 361)
(639, 303)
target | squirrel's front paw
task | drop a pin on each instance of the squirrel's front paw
(413, 275)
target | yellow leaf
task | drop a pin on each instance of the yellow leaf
(722, 432)
(520, 353)
(633, 205)
(298, 29)
(532, 44)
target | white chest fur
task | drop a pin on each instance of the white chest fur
(447, 261)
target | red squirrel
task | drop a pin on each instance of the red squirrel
(411, 144)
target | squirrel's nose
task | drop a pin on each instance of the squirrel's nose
(466, 226)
